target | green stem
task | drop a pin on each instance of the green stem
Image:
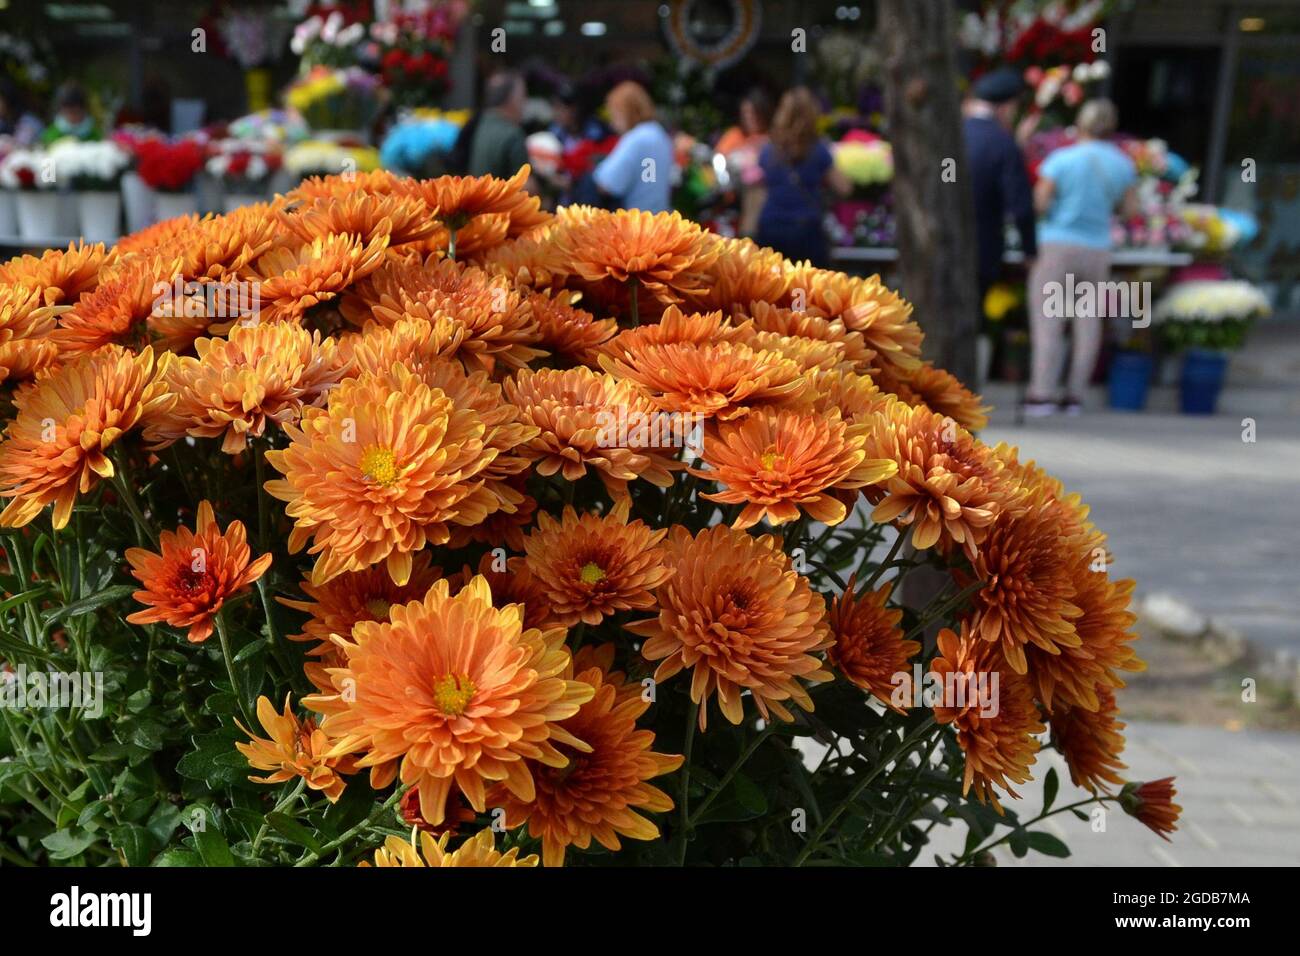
(903, 747)
(692, 715)
(143, 532)
(223, 632)
(966, 857)
(385, 808)
(292, 796)
(735, 769)
(943, 610)
(893, 553)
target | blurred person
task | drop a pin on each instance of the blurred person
(568, 123)
(497, 145)
(998, 175)
(638, 173)
(71, 116)
(1079, 187)
(15, 119)
(741, 145)
(797, 172)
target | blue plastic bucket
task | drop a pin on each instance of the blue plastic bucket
(1130, 376)
(1202, 381)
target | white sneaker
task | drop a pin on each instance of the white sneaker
(1032, 409)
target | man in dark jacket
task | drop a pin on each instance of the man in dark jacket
(997, 172)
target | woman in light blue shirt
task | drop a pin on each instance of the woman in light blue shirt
(638, 173)
(1078, 189)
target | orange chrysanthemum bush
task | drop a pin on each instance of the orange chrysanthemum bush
(401, 523)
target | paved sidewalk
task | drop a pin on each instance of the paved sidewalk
(1240, 794)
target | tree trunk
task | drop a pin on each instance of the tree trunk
(933, 206)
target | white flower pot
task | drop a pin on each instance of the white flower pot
(100, 215)
(38, 214)
(137, 200)
(171, 205)
(8, 214)
(232, 201)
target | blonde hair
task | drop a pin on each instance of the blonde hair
(794, 127)
(630, 100)
(1098, 118)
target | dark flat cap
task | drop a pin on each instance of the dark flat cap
(999, 85)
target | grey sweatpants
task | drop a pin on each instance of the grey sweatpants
(1055, 263)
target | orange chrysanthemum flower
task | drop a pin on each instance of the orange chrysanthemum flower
(339, 604)
(938, 391)
(57, 445)
(25, 325)
(854, 396)
(402, 219)
(590, 420)
(737, 615)
(999, 741)
(780, 463)
(1078, 675)
(1030, 571)
(60, 276)
(511, 583)
(1091, 742)
(865, 305)
(592, 566)
(117, 310)
(478, 851)
(157, 235)
(724, 380)
(221, 249)
(377, 182)
(946, 482)
(455, 200)
(527, 262)
(661, 252)
(381, 472)
(567, 331)
(1152, 803)
(293, 279)
(458, 692)
(869, 647)
(766, 322)
(743, 273)
(498, 323)
(295, 748)
(674, 327)
(193, 574)
(597, 794)
(412, 342)
(260, 374)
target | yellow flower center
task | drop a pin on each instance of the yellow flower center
(378, 608)
(453, 693)
(379, 464)
(591, 573)
(770, 458)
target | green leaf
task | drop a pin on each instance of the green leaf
(1048, 845)
(88, 604)
(1019, 841)
(178, 857)
(290, 828)
(8, 604)
(134, 842)
(67, 843)
(213, 848)
(1051, 784)
(249, 651)
(17, 649)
